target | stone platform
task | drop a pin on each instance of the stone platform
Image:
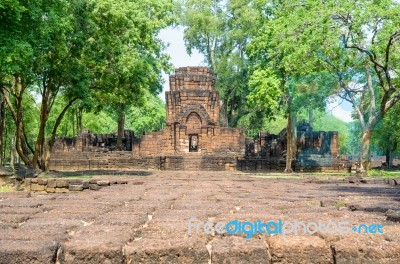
(146, 221)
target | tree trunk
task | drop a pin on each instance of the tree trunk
(223, 117)
(12, 153)
(121, 126)
(365, 157)
(40, 141)
(2, 128)
(21, 143)
(79, 121)
(289, 145)
(48, 148)
(310, 117)
(389, 158)
(389, 154)
(294, 135)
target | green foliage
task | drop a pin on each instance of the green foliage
(265, 90)
(147, 118)
(386, 136)
(221, 30)
(99, 123)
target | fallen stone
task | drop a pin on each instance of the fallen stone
(75, 187)
(103, 183)
(94, 181)
(122, 182)
(37, 187)
(94, 187)
(85, 184)
(393, 215)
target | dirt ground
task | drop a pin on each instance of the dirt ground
(147, 221)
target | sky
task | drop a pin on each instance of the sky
(180, 58)
(177, 51)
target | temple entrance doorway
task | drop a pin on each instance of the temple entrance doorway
(193, 143)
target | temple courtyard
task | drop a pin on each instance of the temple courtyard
(161, 217)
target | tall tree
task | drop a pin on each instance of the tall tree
(221, 30)
(130, 57)
(38, 59)
(359, 44)
(272, 58)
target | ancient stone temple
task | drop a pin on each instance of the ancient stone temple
(192, 121)
(194, 140)
(191, 140)
(192, 131)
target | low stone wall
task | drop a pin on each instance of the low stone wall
(198, 162)
(61, 185)
(124, 160)
(278, 165)
(115, 160)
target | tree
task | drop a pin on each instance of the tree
(295, 83)
(149, 117)
(387, 134)
(39, 59)
(130, 57)
(74, 50)
(359, 43)
(221, 31)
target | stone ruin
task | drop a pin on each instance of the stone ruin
(315, 151)
(194, 140)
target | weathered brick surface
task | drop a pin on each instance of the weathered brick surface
(192, 112)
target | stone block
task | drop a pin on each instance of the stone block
(85, 184)
(61, 190)
(51, 183)
(75, 187)
(42, 181)
(62, 183)
(103, 183)
(94, 186)
(50, 189)
(37, 187)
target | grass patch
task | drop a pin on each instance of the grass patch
(383, 174)
(340, 204)
(5, 188)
